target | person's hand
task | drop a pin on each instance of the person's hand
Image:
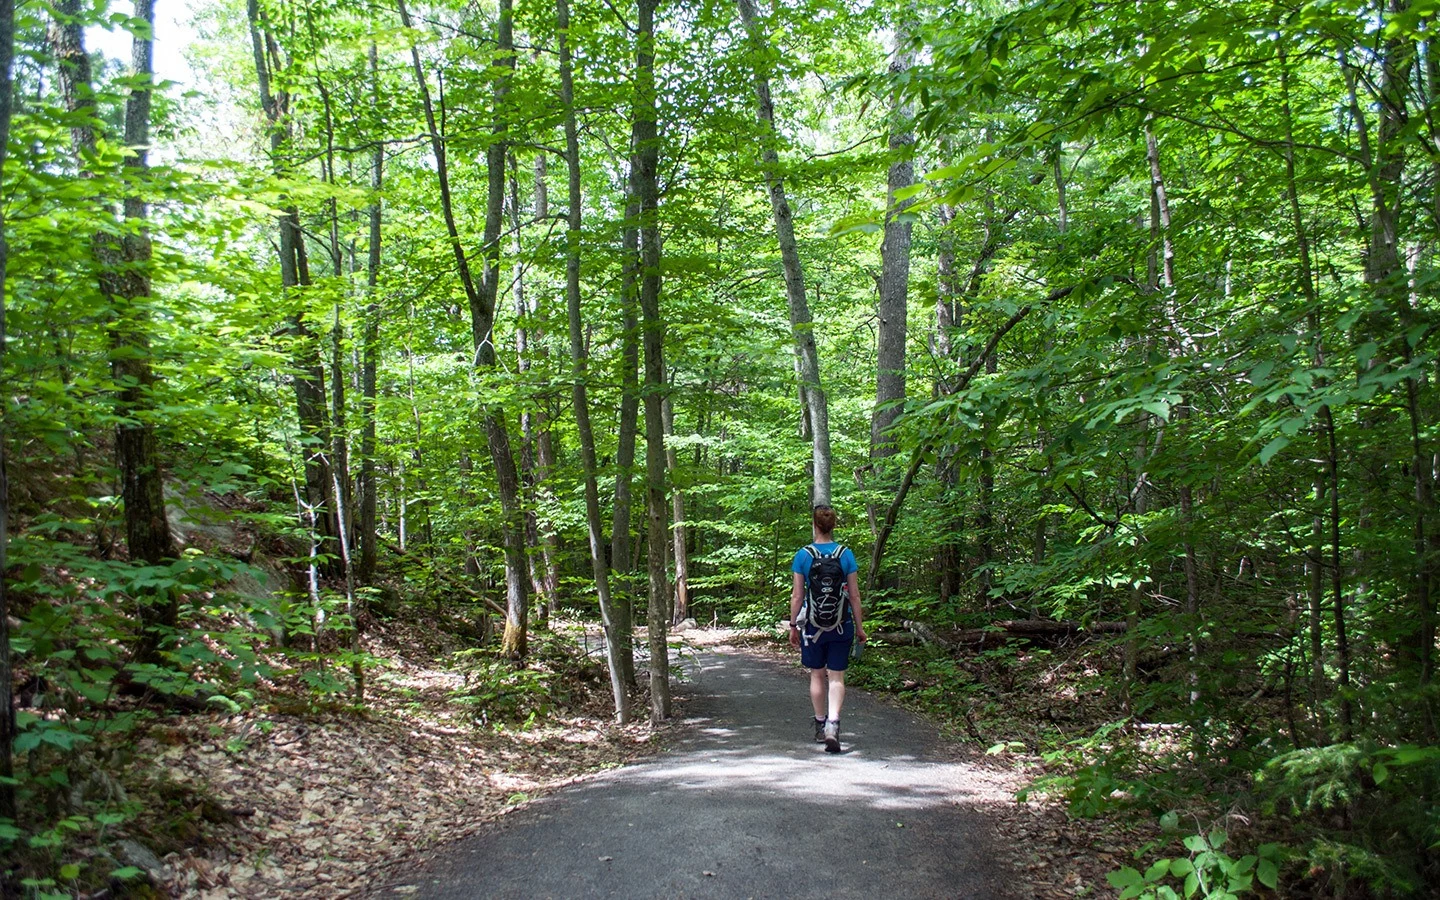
(860, 634)
(794, 637)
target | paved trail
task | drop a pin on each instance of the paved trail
(745, 805)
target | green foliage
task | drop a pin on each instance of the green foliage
(1369, 811)
(1208, 871)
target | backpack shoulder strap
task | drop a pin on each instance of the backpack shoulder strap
(811, 549)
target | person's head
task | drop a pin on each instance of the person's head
(824, 519)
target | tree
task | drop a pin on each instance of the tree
(812, 392)
(579, 369)
(645, 177)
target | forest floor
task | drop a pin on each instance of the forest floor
(307, 802)
(311, 803)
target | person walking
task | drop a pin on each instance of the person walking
(825, 620)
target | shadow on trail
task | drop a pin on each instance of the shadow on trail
(746, 805)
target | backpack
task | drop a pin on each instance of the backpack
(825, 605)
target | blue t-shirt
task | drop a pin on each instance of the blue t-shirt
(802, 564)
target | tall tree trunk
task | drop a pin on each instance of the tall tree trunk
(531, 419)
(647, 190)
(892, 310)
(620, 549)
(124, 280)
(1160, 226)
(579, 370)
(7, 683)
(514, 642)
(548, 587)
(370, 355)
(309, 380)
(947, 320)
(800, 322)
(482, 299)
(1315, 559)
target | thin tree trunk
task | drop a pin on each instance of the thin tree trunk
(579, 370)
(647, 189)
(892, 514)
(530, 418)
(309, 380)
(1315, 560)
(947, 319)
(7, 688)
(549, 586)
(1160, 225)
(514, 642)
(677, 503)
(482, 299)
(370, 364)
(800, 322)
(620, 543)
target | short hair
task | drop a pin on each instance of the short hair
(824, 518)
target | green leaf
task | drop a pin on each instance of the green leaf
(1218, 838)
(1124, 877)
(1181, 867)
(69, 872)
(1158, 870)
(1267, 453)
(1365, 352)
(1268, 874)
(1381, 772)
(127, 873)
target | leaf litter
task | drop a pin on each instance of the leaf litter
(323, 804)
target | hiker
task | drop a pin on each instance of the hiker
(825, 621)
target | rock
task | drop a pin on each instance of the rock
(134, 853)
(686, 625)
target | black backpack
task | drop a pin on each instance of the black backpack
(825, 607)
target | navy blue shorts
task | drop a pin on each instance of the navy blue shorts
(830, 651)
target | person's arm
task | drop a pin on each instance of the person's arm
(853, 583)
(797, 595)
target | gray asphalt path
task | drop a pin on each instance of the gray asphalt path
(746, 805)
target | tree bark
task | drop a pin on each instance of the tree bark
(647, 155)
(802, 326)
(7, 682)
(595, 526)
(1160, 226)
(309, 381)
(514, 642)
(1316, 558)
(620, 549)
(124, 281)
(370, 354)
(892, 310)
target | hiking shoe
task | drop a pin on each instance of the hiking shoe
(819, 731)
(832, 737)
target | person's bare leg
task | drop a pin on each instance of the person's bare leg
(817, 692)
(837, 693)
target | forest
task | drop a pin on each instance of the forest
(1109, 329)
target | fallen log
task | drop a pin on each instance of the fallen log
(1039, 631)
